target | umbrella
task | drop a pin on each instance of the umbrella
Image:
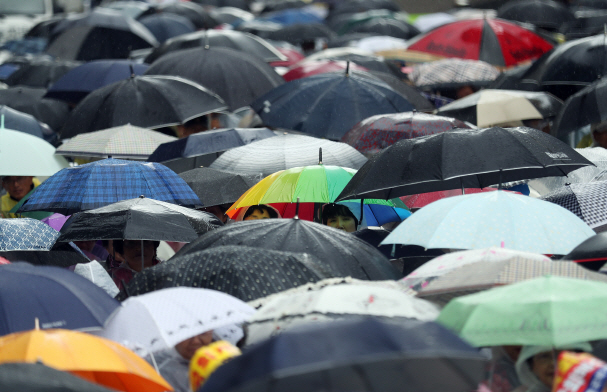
(29, 100)
(131, 8)
(258, 27)
(54, 296)
(587, 201)
(138, 219)
(328, 105)
(61, 255)
(221, 70)
(380, 43)
(453, 73)
(216, 187)
(293, 16)
(356, 6)
(95, 272)
(385, 27)
(143, 101)
(309, 68)
(493, 107)
(200, 18)
(287, 310)
(231, 15)
(357, 56)
(412, 256)
(104, 182)
(92, 358)
(361, 354)
(36, 377)
(161, 319)
(124, 142)
(423, 199)
(346, 254)
(82, 80)
(582, 108)
(100, 34)
(548, 311)
(37, 72)
(22, 122)
(285, 152)
(241, 271)
(208, 142)
(591, 254)
(462, 158)
(237, 40)
(494, 41)
(427, 22)
(546, 14)
(379, 132)
(490, 219)
(165, 25)
(299, 33)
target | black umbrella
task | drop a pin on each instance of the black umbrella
(44, 28)
(237, 77)
(40, 72)
(356, 6)
(386, 26)
(30, 100)
(244, 272)
(546, 14)
(281, 5)
(357, 56)
(240, 4)
(36, 377)
(344, 253)
(132, 8)
(592, 253)
(22, 122)
(587, 22)
(462, 158)
(347, 39)
(143, 101)
(237, 40)
(138, 219)
(258, 27)
(300, 32)
(231, 15)
(582, 108)
(199, 17)
(101, 34)
(215, 187)
(511, 79)
(165, 25)
(64, 256)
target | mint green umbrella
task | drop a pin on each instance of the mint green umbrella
(546, 311)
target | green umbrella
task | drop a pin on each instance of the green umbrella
(546, 311)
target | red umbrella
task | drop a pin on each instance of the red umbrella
(309, 68)
(495, 41)
(293, 57)
(423, 199)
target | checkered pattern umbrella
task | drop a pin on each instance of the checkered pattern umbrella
(587, 201)
(26, 234)
(108, 181)
(453, 73)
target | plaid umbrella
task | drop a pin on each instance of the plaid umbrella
(26, 234)
(105, 182)
(453, 73)
(126, 141)
(587, 201)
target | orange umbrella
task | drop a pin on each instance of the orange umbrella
(95, 359)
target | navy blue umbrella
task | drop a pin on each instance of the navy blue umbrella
(22, 122)
(80, 81)
(167, 25)
(57, 297)
(328, 105)
(363, 354)
(208, 142)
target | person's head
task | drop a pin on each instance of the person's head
(188, 347)
(195, 125)
(261, 211)
(18, 186)
(339, 217)
(599, 133)
(131, 252)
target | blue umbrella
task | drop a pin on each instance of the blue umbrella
(26, 234)
(57, 297)
(362, 354)
(22, 122)
(108, 181)
(80, 81)
(292, 16)
(376, 214)
(166, 25)
(328, 105)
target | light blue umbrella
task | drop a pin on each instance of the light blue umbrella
(500, 219)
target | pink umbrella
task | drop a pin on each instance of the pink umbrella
(422, 199)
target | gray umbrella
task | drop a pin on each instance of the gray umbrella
(214, 187)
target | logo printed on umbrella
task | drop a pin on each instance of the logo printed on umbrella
(54, 324)
(558, 155)
(266, 106)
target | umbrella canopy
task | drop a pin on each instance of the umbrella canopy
(453, 73)
(100, 34)
(587, 201)
(237, 77)
(357, 6)
(244, 272)
(124, 142)
(285, 152)
(165, 25)
(309, 68)
(344, 253)
(293, 16)
(30, 100)
(591, 254)
(547, 311)
(22, 122)
(104, 182)
(92, 358)
(462, 158)
(36, 377)
(493, 107)
(82, 80)
(138, 219)
(299, 33)
(60, 255)
(376, 133)
(546, 14)
(143, 101)
(354, 55)
(423, 199)
(582, 108)
(26, 234)
(215, 187)
(237, 40)
(495, 41)
(389, 27)
(328, 105)
(490, 219)
(360, 354)
(54, 296)
(231, 15)
(161, 319)
(37, 72)
(200, 18)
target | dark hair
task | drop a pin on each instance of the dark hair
(119, 245)
(333, 210)
(261, 208)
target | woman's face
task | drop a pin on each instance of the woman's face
(132, 254)
(542, 365)
(342, 222)
(258, 214)
(188, 347)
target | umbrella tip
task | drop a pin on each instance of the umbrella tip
(2, 122)
(141, 196)
(296, 210)
(132, 70)
(348, 68)
(320, 155)
(36, 324)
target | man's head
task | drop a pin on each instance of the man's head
(339, 217)
(188, 347)
(260, 212)
(599, 133)
(131, 251)
(18, 186)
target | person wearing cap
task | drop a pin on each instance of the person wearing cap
(16, 187)
(580, 372)
(207, 359)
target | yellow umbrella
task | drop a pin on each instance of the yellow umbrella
(95, 359)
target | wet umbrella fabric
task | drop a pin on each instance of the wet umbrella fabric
(243, 272)
(165, 26)
(344, 253)
(300, 32)
(60, 255)
(546, 14)
(61, 299)
(590, 254)
(418, 165)
(30, 100)
(309, 68)
(138, 219)
(143, 101)
(22, 122)
(423, 199)
(386, 27)
(358, 56)
(108, 181)
(293, 16)
(38, 72)
(216, 187)
(587, 201)
(82, 80)
(357, 6)
(328, 105)
(453, 73)
(200, 18)
(360, 354)
(582, 108)
(26, 234)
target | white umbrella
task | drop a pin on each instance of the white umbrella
(159, 320)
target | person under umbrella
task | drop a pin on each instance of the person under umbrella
(339, 217)
(17, 188)
(137, 255)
